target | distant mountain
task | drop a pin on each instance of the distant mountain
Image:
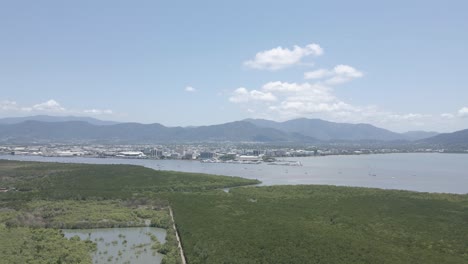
(453, 140)
(46, 118)
(240, 131)
(315, 131)
(330, 131)
(418, 135)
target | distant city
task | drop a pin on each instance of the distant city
(60, 129)
(246, 141)
(247, 153)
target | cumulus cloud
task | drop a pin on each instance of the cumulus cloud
(190, 89)
(305, 99)
(289, 100)
(279, 58)
(463, 112)
(339, 74)
(285, 87)
(316, 97)
(49, 106)
(317, 74)
(284, 100)
(242, 95)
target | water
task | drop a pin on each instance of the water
(424, 172)
(122, 245)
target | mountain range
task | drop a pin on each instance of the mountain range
(71, 129)
(47, 118)
(331, 131)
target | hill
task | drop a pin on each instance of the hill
(329, 131)
(47, 118)
(298, 131)
(76, 131)
(418, 135)
(453, 140)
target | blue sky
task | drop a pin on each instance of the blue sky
(400, 65)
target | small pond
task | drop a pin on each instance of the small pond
(122, 245)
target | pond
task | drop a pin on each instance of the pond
(122, 245)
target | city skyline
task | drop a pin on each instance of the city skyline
(399, 66)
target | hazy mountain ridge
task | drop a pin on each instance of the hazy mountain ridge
(47, 118)
(455, 139)
(250, 130)
(32, 131)
(418, 135)
(331, 131)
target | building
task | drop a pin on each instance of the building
(130, 154)
(206, 155)
(257, 152)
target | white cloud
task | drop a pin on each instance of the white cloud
(98, 111)
(339, 74)
(316, 93)
(49, 106)
(285, 87)
(242, 95)
(190, 89)
(344, 73)
(463, 112)
(290, 100)
(279, 58)
(317, 100)
(317, 74)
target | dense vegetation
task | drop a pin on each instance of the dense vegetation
(84, 181)
(70, 214)
(280, 224)
(44, 197)
(322, 224)
(41, 246)
(32, 222)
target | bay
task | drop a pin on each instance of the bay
(423, 172)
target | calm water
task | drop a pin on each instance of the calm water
(122, 245)
(423, 172)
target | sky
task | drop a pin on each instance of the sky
(399, 65)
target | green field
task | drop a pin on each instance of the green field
(280, 224)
